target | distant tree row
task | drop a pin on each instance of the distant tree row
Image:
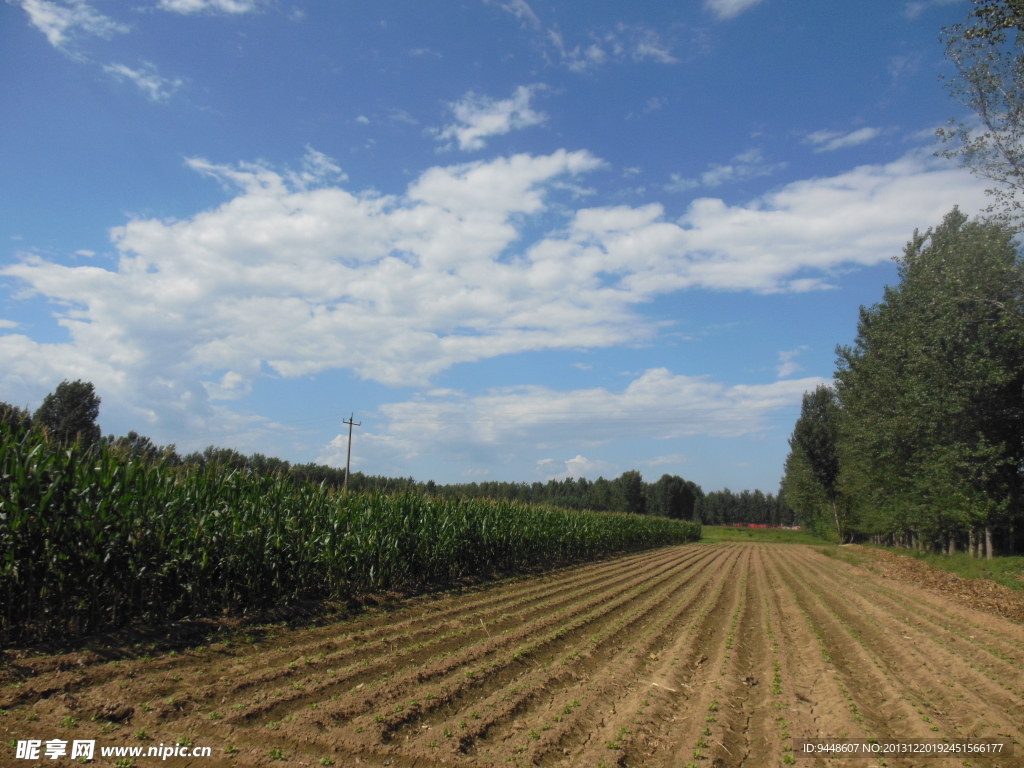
(727, 508)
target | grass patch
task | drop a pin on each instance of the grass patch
(1008, 571)
(715, 533)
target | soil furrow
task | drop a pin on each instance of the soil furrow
(701, 655)
(860, 680)
(943, 686)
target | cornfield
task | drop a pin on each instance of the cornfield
(91, 539)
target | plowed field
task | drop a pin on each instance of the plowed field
(715, 654)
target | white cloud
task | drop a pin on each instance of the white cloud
(647, 45)
(520, 9)
(84, 252)
(212, 6)
(787, 362)
(386, 454)
(295, 275)
(729, 9)
(8, 324)
(148, 81)
(59, 21)
(317, 169)
(624, 42)
(679, 183)
(914, 9)
(481, 116)
(579, 59)
(746, 165)
(401, 116)
(579, 466)
(363, 119)
(829, 141)
(655, 103)
(655, 405)
(514, 421)
(672, 459)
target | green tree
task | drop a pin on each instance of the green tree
(816, 441)
(673, 497)
(802, 493)
(631, 490)
(69, 413)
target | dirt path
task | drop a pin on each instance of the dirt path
(699, 655)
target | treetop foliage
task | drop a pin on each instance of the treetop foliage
(994, 16)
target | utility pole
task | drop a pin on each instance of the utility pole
(348, 461)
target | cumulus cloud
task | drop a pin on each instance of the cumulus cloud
(729, 9)
(208, 6)
(481, 116)
(60, 21)
(746, 165)
(146, 78)
(295, 275)
(829, 141)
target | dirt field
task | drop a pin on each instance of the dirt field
(711, 654)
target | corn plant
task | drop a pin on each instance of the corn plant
(91, 539)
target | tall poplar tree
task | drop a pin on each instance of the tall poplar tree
(812, 469)
(932, 391)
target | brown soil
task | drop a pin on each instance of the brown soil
(706, 655)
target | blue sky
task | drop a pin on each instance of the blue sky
(519, 240)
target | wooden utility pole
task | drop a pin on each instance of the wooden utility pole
(348, 461)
